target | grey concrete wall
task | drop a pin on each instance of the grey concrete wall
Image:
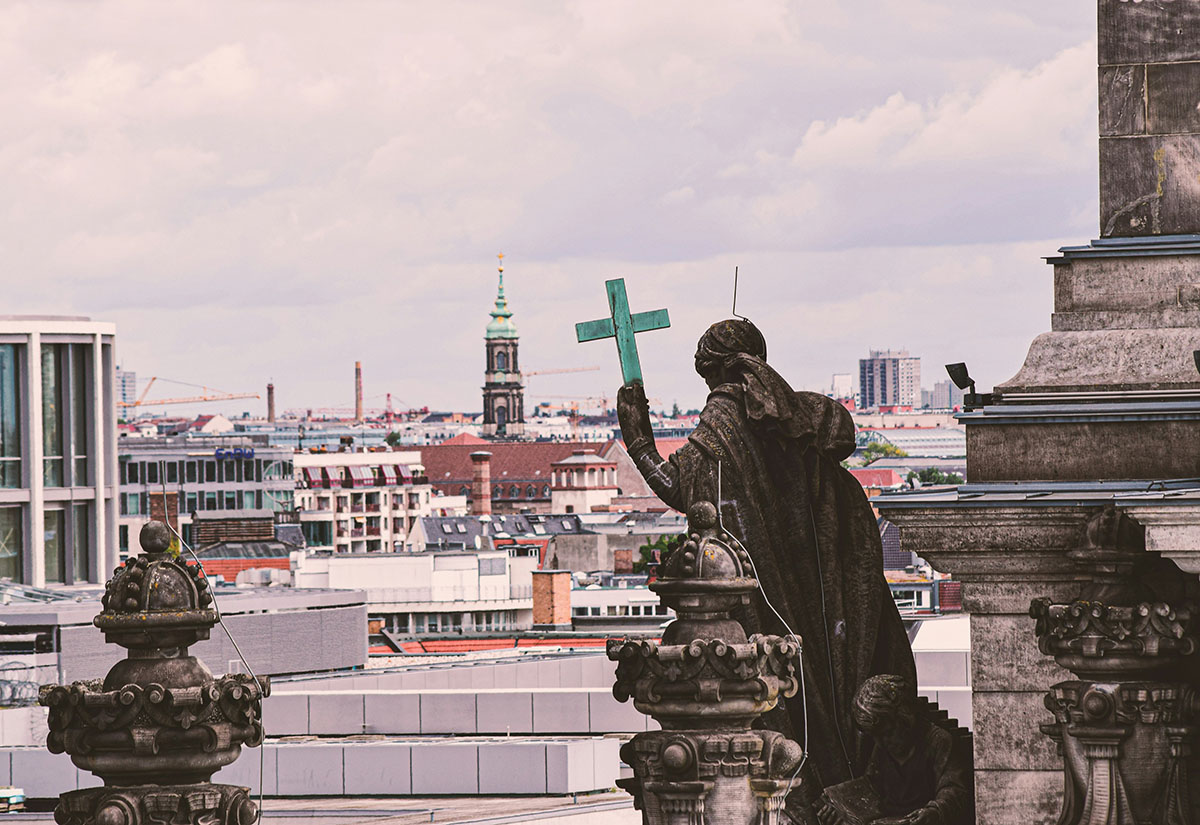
(400, 767)
(590, 551)
(590, 669)
(536, 711)
(594, 551)
(287, 641)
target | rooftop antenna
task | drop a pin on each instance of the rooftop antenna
(734, 311)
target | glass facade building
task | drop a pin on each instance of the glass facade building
(244, 475)
(57, 450)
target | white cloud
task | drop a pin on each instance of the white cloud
(288, 187)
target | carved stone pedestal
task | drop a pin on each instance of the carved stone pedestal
(201, 803)
(1124, 727)
(159, 725)
(705, 685)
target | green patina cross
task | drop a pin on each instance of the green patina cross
(622, 326)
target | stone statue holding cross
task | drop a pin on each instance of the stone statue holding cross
(771, 458)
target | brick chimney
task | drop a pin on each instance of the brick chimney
(551, 600)
(271, 403)
(358, 398)
(481, 483)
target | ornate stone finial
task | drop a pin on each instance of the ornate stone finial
(705, 685)
(160, 724)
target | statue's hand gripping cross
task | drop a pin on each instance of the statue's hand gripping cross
(622, 326)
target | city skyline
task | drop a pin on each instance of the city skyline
(272, 193)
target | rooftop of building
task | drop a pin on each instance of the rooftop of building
(583, 456)
(450, 462)
(44, 318)
(78, 604)
(455, 531)
(247, 550)
(883, 477)
(148, 443)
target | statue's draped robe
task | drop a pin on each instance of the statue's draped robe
(776, 493)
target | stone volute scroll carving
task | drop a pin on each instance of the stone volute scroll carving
(705, 684)
(160, 724)
(1126, 724)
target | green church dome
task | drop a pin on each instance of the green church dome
(501, 325)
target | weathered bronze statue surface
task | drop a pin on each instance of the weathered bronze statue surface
(160, 725)
(770, 457)
(919, 772)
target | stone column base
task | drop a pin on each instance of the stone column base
(204, 802)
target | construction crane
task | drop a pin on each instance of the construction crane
(558, 371)
(208, 395)
(572, 411)
(602, 399)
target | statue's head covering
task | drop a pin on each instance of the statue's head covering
(734, 351)
(883, 698)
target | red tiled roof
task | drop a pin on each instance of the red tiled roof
(466, 438)
(876, 478)
(450, 462)
(666, 446)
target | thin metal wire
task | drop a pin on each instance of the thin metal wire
(791, 634)
(262, 747)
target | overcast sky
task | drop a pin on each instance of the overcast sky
(258, 191)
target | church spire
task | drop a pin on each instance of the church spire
(503, 395)
(501, 325)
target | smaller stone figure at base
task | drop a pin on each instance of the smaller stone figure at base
(915, 774)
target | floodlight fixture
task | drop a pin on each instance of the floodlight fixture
(971, 399)
(961, 378)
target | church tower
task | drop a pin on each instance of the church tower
(503, 395)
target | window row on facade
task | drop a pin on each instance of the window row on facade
(384, 475)
(512, 491)
(204, 471)
(138, 504)
(622, 610)
(66, 421)
(485, 620)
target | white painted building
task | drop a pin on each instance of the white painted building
(360, 502)
(582, 482)
(617, 605)
(432, 592)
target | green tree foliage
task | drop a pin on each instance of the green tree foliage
(392, 439)
(932, 475)
(651, 553)
(879, 449)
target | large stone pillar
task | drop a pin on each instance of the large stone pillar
(1102, 418)
(1149, 153)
